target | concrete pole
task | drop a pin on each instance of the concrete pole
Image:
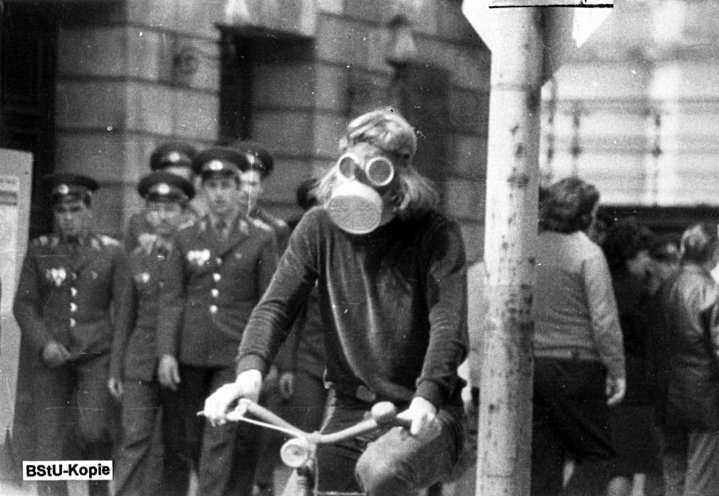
(503, 464)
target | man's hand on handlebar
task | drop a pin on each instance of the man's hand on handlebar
(247, 385)
(423, 416)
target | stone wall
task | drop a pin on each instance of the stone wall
(133, 73)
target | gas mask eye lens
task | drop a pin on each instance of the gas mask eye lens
(347, 165)
(379, 171)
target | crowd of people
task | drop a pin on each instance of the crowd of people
(130, 340)
(626, 354)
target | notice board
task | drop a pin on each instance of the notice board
(15, 183)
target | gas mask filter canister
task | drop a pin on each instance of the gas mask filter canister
(354, 206)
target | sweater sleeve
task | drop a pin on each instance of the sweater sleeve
(267, 264)
(606, 332)
(272, 318)
(446, 298)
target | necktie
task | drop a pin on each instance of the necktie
(221, 228)
(73, 242)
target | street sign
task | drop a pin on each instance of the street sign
(498, 4)
(566, 28)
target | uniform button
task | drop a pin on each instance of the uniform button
(72, 322)
(214, 292)
(218, 261)
(73, 307)
(73, 292)
(216, 277)
(213, 308)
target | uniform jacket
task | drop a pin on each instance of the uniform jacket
(689, 350)
(210, 287)
(134, 354)
(139, 230)
(65, 294)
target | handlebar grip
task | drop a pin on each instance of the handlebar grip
(385, 413)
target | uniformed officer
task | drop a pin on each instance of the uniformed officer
(213, 278)
(69, 281)
(260, 165)
(173, 157)
(134, 358)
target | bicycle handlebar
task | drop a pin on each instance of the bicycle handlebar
(383, 414)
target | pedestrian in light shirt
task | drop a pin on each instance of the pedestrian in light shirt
(578, 351)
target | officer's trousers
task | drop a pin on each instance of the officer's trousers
(226, 456)
(138, 463)
(74, 412)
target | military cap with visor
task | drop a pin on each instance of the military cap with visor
(220, 160)
(66, 187)
(165, 186)
(257, 156)
(173, 154)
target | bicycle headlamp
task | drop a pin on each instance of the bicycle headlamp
(296, 452)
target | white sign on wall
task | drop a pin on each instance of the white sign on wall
(15, 183)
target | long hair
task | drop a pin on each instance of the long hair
(387, 130)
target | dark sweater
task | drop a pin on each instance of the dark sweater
(393, 303)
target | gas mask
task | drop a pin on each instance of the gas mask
(356, 204)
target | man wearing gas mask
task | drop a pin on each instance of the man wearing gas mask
(392, 282)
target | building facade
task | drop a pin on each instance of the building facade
(636, 112)
(93, 86)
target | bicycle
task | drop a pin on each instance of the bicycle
(298, 453)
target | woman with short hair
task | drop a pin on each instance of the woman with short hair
(578, 355)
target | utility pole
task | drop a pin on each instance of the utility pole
(528, 44)
(505, 423)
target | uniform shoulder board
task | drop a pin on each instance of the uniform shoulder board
(260, 224)
(187, 225)
(279, 223)
(40, 241)
(50, 241)
(108, 241)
